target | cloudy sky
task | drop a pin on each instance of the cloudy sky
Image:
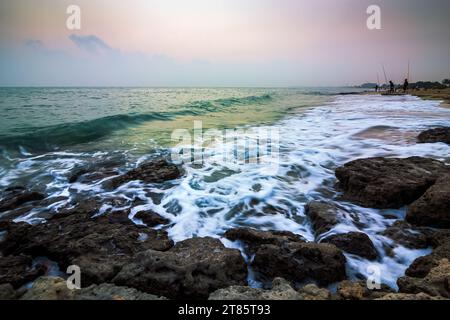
(221, 42)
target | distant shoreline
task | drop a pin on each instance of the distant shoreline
(428, 94)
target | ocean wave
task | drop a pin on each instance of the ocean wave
(52, 137)
(200, 106)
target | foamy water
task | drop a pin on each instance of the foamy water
(218, 195)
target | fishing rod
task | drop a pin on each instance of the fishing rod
(384, 71)
(407, 77)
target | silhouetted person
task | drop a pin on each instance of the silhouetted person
(405, 85)
(391, 87)
(376, 88)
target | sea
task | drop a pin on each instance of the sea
(47, 134)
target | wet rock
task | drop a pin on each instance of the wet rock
(388, 182)
(18, 270)
(239, 293)
(87, 176)
(312, 292)
(253, 238)
(150, 218)
(97, 170)
(4, 225)
(286, 255)
(52, 200)
(49, 288)
(351, 290)
(407, 235)
(324, 216)
(55, 288)
(108, 291)
(192, 269)
(281, 290)
(435, 135)
(433, 207)
(7, 292)
(42, 208)
(357, 243)
(297, 261)
(358, 290)
(440, 240)
(17, 196)
(408, 296)
(100, 247)
(77, 174)
(156, 171)
(421, 266)
(17, 212)
(82, 209)
(120, 216)
(435, 283)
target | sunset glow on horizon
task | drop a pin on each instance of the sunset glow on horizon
(225, 42)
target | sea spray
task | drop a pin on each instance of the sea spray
(218, 195)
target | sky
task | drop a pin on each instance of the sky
(257, 43)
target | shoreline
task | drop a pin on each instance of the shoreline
(442, 95)
(133, 249)
(281, 257)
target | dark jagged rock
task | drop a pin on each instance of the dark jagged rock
(150, 218)
(18, 270)
(192, 269)
(7, 292)
(420, 267)
(108, 291)
(435, 135)
(253, 238)
(49, 288)
(55, 288)
(409, 296)
(281, 290)
(14, 197)
(286, 255)
(358, 290)
(95, 171)
(41, 207)
(433, 207)
(355, 243)
(99, 246)
(156, 171)
(51, 200)
(407, 235)
(86, 176)
(297, 261)
(435, 283)
(120, 216)
(388, 182)
(324, 216)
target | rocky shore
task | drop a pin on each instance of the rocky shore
(121, 259)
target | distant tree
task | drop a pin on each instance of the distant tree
(428, 85)
(446, 81)
(368, 85)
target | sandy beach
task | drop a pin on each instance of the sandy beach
(428, 94)
(434, 94)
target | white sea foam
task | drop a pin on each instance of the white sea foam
(220, 195)
(312, 145)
